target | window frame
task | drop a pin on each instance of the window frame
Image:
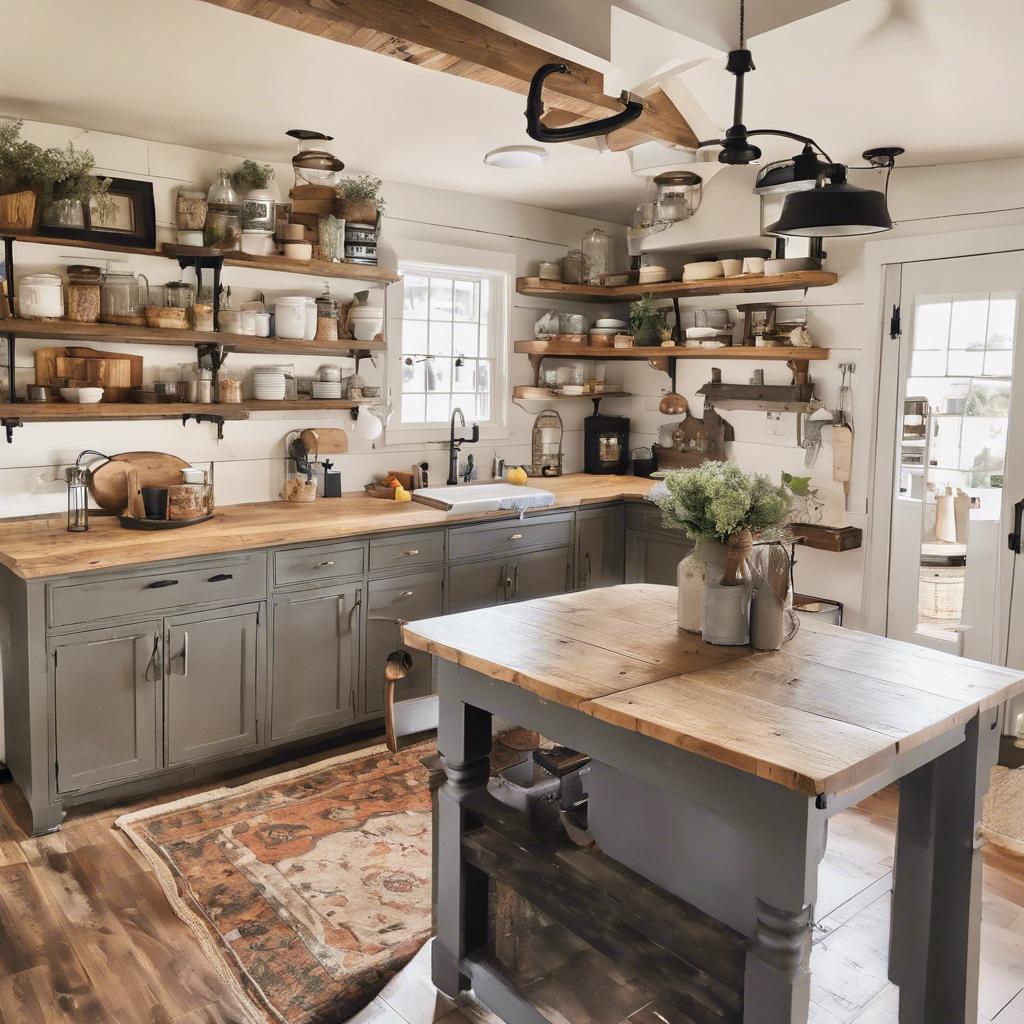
(499, 268)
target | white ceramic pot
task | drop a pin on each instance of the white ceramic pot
(706, 559)
(41, 295)
(262, 324)
(298, 250)
(258, 243)
(290, 317)
(365, 330)
(368, 426)
(187, 237)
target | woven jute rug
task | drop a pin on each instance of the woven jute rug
(307, 890)
(1003, 818)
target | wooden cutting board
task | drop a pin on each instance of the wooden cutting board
(108, 483)
(325, 440)
(116, 372)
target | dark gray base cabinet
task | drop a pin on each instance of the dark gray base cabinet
(315, 643)
(118, 681)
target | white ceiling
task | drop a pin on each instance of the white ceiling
(936, 78)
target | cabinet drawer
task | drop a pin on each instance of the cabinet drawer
(225, 580)
(309, 565)
(406, 552)
(647, 517)
(509, 536)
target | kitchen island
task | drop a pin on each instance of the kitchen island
(713, 774)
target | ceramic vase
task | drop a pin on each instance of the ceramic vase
(706, 559)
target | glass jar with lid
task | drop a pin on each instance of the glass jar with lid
(223, 230)
(597, 249)
(179, 294)
(83, 300)
(222, 194)
(123, 298)
(678, 196)
(326, 316)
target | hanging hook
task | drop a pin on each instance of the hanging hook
(536, 128)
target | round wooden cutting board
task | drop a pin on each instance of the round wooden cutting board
(108, 484)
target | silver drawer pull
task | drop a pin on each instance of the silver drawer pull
(411, 551)
(325, 565)
(407, 593)
(516, 536)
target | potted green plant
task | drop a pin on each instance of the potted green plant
(360, 200)
(646, 322)
(723, 509)
(257, 209)
(53, 182)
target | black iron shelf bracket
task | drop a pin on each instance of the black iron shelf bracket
(205, 417)
(9, 423)
(199, 264)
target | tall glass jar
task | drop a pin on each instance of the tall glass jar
(179, 294)
(597, 248)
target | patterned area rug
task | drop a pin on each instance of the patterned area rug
(1003, 821)
(308, 890)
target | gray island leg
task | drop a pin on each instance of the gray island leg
(464, 742)
(936, 908)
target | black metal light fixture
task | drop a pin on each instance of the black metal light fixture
(796, 174)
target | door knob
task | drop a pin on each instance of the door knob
(1014, 538)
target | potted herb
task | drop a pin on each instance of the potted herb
(646, 322)
(257, 209)
(56, 182)
(723, 509)
(360, 200)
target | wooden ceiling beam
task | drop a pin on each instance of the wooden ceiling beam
(425, 34)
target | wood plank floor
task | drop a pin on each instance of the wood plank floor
(87, 936)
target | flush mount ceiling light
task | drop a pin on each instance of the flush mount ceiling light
(510, 157)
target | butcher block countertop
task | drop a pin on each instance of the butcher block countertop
(829, 711)
(41, 545)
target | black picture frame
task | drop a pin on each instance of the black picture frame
(135, 205)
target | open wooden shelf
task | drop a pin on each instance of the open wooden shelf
(526, 393)
(308, 404)
(66, 330)
(74, 243)
(828, 538)
(676, 289)
(41, 412)
(285, 265)
(555, 351)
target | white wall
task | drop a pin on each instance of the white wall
(248, 463)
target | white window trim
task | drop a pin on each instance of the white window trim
(437, 257)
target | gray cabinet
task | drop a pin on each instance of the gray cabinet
(315, 638)
(654, 557)
(600, 547)
(510, 578)
(105, 686)
(389, 603)
(211, 684)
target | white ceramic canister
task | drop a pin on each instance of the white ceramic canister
(290, 317)
(262, 324)
(41, 296)
(258, 243)
(193, 475)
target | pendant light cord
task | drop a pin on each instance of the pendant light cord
(743, 24)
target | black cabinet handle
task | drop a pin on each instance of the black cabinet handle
(1018, 515)
(158, 584)
(220, 577)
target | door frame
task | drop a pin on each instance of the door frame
(882, 271)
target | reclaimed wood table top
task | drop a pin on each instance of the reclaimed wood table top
(829, 711)
(40, 546)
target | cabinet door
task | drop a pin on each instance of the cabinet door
(106, 686)
(651, 558)
(211, 684)
(479, 584)
(600, 547)
(316, 660)
(541, 574)
(388, 603)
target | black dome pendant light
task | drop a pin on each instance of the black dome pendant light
(819, 201)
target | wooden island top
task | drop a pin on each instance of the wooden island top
(829, 711)
(40, 546)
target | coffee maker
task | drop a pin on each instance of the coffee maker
(605, 444)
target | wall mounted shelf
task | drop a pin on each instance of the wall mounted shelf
(65, 330)
(665, 359)
(531, 394)
(827, 538)
(52, 412)
(801, 280)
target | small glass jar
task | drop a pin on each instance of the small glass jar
(223, 230)
(83, 298)
(190, 208)
(597, 250)
(326, 317)
(202, 316)
(179, 294)
(229, 390)
(222, 195)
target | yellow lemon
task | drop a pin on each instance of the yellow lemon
(516, 475)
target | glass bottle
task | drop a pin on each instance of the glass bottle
(222, 195)
(597, 248)
(77, 478)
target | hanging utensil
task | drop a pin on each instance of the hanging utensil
(673, 404)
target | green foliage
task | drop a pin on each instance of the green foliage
(363, 186)
(644, 315)
(58, 175)
(798, 485)
(716, 499)
(252, 174)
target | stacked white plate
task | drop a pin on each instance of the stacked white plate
(654, 275)
(326, 389)
(268, 385)
(609, 323)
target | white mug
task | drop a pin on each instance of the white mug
(753, 265)
(732, 268)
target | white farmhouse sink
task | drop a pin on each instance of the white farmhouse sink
(467, 498)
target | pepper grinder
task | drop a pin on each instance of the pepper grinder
(332, 480)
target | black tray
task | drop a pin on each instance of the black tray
(161, 524)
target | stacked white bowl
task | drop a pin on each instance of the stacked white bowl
(366, 322)
(324, 389)
(268, 384)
